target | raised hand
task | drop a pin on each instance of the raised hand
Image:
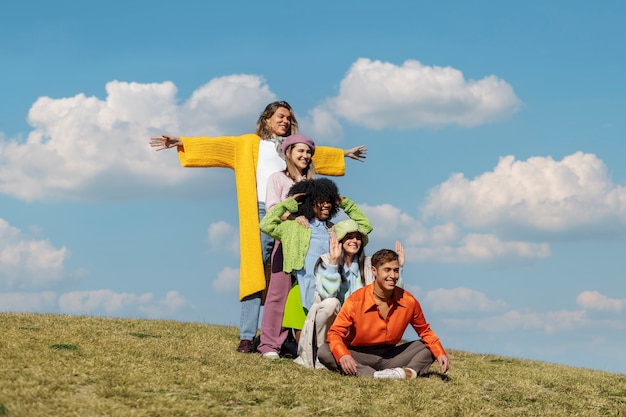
(358, 153)
(400, 252)
(165, 142)
(335, 249)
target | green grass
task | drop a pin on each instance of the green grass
(52, 365)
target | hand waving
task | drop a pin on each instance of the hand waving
(335, 249)
(400, 252)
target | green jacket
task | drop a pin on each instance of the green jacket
(294, 237)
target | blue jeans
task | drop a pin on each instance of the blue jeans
(251, 305)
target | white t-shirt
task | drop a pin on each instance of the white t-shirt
(269, 162)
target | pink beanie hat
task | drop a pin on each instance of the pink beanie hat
(298, 138)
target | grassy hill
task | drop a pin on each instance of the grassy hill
(52, 365)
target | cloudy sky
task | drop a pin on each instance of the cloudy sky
(496, 150)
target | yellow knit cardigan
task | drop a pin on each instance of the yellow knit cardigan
(241, 153)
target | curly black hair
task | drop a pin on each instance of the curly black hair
(316, 191)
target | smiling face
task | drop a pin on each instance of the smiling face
(321, 210)
(300, 155)
(279, 123)
(352, 243)
(387, 275)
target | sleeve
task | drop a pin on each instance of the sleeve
(273, 193)
(329, 161)
(327, 280)
(354, 212)
(208, 152)
(340, 330)
(271, 223)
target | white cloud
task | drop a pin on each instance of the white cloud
(390, 222)
(225, 105)
(593, 300)
(223, 235)
(321, 125)
(445, 242)
(227, 280)
(383, 95)
(475, 247)
(98, 301)
(84, 148)
(109, 302)
(28, 263)
(514, 320)
(22, 302)
(173, 303)
(461, 300)
(571, 195)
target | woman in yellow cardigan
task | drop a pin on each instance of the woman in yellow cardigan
(253, 158)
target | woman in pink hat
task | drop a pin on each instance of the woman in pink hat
(298, 151)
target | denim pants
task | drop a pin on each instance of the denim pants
(251, 305)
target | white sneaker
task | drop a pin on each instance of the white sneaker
(270, 355)
(300, 361)
(319, 365)
(396, 373)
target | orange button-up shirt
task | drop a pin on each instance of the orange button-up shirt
(360, 324)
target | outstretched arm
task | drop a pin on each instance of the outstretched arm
(358, 153)
(165, 142)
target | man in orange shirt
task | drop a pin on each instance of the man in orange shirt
(364, 338)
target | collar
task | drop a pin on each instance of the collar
(370, 299)
(317, 223)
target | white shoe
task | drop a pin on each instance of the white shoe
(270, 355)
(300, 361)
(396, 373)
(319, 365)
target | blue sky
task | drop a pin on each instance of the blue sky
(496, 148)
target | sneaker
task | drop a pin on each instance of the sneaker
(270, 355)
(245, 346)
(299, 361)
(396, 373)
(319, 365)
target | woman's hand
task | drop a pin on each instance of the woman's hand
(299, 197)
(400, 252)
(358, 153)
(335, 249)
(165, 142)
(302, 221)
